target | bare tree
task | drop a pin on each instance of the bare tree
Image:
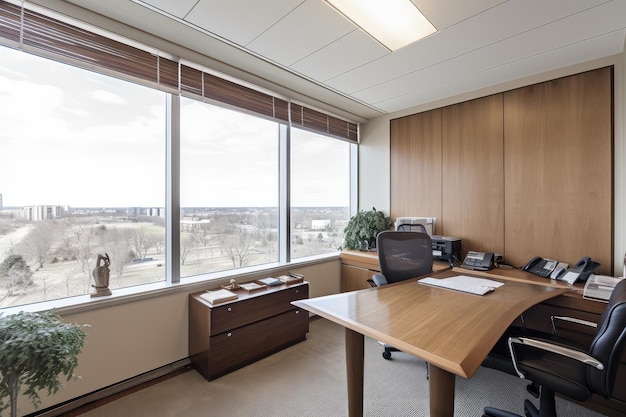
(117, 244)
(15, 274)
(140, 242)
(84, 237)
(239, 250)
(38, 244)
(187, 243)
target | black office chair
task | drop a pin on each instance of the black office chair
(406, 227)
(569, 370)
(402, 255)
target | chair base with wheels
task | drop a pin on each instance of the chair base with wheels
(547, 407)
(387, 349)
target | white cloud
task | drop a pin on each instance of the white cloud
(107, 97)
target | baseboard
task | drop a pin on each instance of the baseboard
(64, 408)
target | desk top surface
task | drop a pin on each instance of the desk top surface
(450, 329)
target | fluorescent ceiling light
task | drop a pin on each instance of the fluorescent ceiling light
(394, 23)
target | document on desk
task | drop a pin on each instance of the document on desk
(473, 285)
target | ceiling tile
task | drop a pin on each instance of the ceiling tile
(239, 21)
(574, 54)
(308, 28)
(445, 13)
(178, 8)
(466, 37)
(542, 40)
(351, 51)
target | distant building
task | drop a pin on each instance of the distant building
(39, 213)
(320, 224)
(155, 211)
(189, 225)
(143, 211)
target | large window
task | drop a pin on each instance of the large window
(229, 189)
(90, 162)
(82, 173)
(320, 193)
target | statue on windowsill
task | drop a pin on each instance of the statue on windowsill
(101, 276)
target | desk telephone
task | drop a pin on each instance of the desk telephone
(481, 261)
(559, 270)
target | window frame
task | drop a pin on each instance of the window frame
(164, 73)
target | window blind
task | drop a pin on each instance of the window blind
(20, 26)
(314, 120)
(205, 85)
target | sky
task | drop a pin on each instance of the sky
(77, 138)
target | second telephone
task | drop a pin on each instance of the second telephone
(559, 270)
(481, 261)
(545, 267)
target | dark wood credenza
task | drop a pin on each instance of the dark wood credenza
(357, 267)
(230, 335)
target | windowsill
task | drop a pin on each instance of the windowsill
(77, 304)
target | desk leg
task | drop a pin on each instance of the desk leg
(441, 387)
(355, 353)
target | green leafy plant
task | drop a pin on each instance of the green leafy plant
(35, 349)
(363, 227)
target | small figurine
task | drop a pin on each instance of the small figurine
(101, 276)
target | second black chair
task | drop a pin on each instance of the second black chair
(402, 255)
(569, 370)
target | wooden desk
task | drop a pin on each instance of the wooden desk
(452, 331)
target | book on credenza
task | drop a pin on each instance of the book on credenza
(252, 286)
(600, 287)
(271, 281)
(218, 296)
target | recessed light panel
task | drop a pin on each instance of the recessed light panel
(394, 23)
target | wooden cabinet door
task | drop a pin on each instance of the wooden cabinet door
(558, 170)
(473, 180)
(415, 152)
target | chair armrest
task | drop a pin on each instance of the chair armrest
(379, 280)
(587, 323)
(554, 348)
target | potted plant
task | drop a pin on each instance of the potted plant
(363, 227)
(35, 349)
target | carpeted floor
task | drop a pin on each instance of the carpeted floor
(309, 379)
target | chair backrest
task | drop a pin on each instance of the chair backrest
(404, 255)
(405, 227)
(609, 342)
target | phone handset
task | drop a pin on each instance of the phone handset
(580, 271)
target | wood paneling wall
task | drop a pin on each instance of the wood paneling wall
(559, 169)
(416, 171)
(523, 173)
(473, 178)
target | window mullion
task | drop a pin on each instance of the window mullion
(172, 202)
(284, 203)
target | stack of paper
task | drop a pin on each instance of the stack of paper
(218, 296)
(464, 283)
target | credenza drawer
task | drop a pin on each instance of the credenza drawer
(237, 314)
(228, 336)
(241, 346)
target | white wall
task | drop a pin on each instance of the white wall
(374, 165)
(128, 339)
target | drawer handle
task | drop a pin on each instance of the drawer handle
(297, 311)
(229, 334)
(230, 309)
